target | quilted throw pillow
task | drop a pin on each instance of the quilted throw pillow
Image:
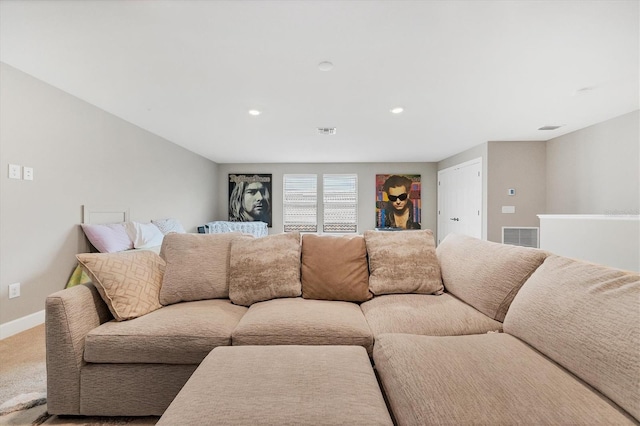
(264, 268)
(403, 262)
(129, 282)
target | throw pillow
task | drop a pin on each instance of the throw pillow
(197, 266)
(335, 268)
(169, 225)
(144, 235)
(265, 268)
(109, 238)
(403, 262)
(129, 282)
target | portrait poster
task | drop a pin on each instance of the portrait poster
(398, 202)
(250, 198)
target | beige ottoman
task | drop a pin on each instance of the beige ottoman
(281, 385)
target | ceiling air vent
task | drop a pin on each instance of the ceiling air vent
(327, 130)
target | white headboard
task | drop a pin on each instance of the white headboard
(98, 216)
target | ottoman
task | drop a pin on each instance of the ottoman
(281, 385)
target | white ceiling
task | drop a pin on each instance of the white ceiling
(466, 72)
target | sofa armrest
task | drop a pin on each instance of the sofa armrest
(70, 314)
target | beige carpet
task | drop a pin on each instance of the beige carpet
(23, 386)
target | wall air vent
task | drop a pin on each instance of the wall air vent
(327, 130)
(525, 237)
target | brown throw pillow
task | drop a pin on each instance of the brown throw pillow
(197, 266)
(403, 262)
(335, 268)
(265, 268)
(129, 282)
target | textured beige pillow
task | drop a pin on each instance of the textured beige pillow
(265, 268)
(403, 262)
(197, 266)
(129, 282)
(484, 274)
(335, 268)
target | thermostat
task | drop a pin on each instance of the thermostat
(511, 191)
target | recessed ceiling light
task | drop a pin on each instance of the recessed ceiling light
(397, 110)
(254, 112)
(549, 127)
(325, 66)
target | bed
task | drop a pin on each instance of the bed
(110, 230)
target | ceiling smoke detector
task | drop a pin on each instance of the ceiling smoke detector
(327, 130)
(549, 127)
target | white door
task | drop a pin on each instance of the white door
(460, 200)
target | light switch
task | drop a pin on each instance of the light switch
(15, 172)
(27, 173)
(508, 209)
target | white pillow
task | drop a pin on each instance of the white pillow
(144, 235)
(169, 225)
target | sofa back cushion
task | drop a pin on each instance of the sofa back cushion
(197, 266)
(335, 268)
(403, 262)
(265, 268)
(586, 318)
(483, 274)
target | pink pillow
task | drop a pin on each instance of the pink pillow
(108, 238)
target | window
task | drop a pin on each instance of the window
(340, 203)
(300, 203)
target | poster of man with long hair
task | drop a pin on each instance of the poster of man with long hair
(250, 198)
(398, 202)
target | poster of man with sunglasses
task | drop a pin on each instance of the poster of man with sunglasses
(398, 202)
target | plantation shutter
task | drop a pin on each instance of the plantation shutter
(300, 203)
(340, 203)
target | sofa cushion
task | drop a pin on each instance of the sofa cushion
(484, 379)
(585, 317)
(335, 268)
(484, 274)
(183, 333)
(129, 282)
(425, 314)
(300, 321)
(197, 266)
(403, 262)
(265, 268)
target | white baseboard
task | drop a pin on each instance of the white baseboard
(10, 328)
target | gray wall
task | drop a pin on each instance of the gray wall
(366, 187)
(81, 155)
(518, 165)
(596, 170)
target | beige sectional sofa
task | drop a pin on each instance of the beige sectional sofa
(470, 332)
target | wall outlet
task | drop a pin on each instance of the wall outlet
(27, 173)
(15, 171)
(14, 290)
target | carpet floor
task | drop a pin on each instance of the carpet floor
(23, 386)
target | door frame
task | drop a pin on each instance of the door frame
(483, 219)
